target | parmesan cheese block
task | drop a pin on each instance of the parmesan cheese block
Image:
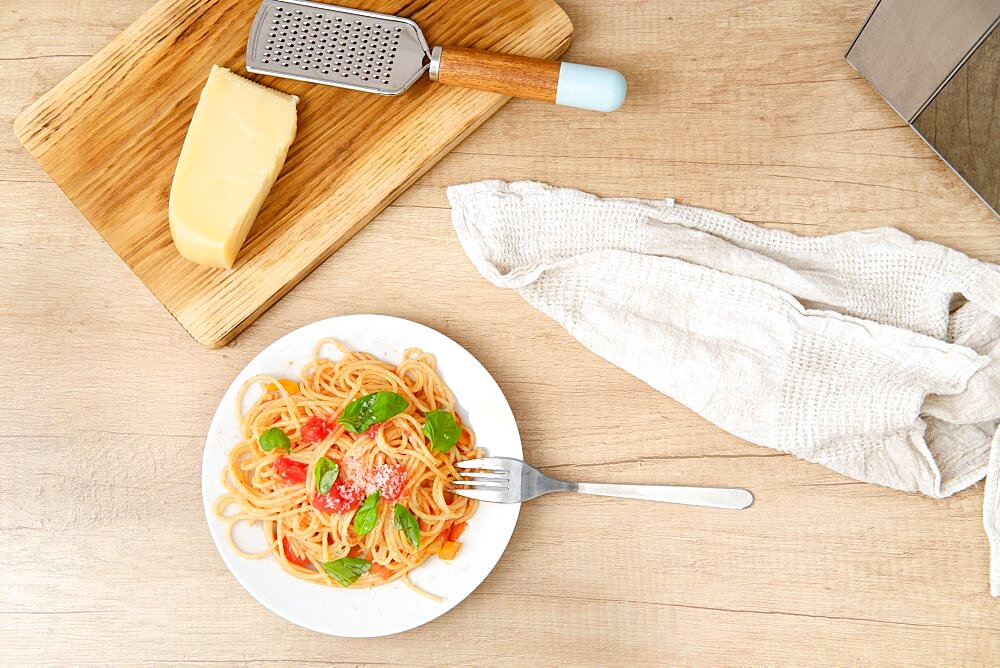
(235, 147)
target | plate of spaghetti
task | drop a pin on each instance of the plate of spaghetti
(327, 470)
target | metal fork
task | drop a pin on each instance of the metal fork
(506, 480)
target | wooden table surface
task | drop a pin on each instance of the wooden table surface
(746, 106)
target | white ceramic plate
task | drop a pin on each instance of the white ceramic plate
(391, 608)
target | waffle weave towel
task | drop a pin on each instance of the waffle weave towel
(868, 352)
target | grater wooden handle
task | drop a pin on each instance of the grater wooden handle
(568, 84)
(517, 76)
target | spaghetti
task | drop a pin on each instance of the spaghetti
(348, 469)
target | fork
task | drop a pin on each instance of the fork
(506, 480)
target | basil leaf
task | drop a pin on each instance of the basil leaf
(441, 428)
(404, 520)
(347, 570)
(326, 473)
(274, 438)
(365, 411)
(365, 518)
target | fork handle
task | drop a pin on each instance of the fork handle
(567, 84)
(713, 497)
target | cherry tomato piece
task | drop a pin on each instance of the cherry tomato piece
(315, 429)
(291, 555)
(291, 471)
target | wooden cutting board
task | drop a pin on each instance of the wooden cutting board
(109, 135)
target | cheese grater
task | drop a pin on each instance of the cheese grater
(386, 54)
(937, 64)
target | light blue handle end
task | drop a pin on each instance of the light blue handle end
(589, 87)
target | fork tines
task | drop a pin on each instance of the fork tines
(490, 483)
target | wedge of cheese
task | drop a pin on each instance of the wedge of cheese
(235, 147)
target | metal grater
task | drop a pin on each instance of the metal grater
(351, 48)
(385, 54)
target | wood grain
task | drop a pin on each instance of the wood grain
(125, 113)
(962, 122)
(746, 106)
(517, 76)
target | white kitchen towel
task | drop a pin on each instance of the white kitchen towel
(869, 352)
